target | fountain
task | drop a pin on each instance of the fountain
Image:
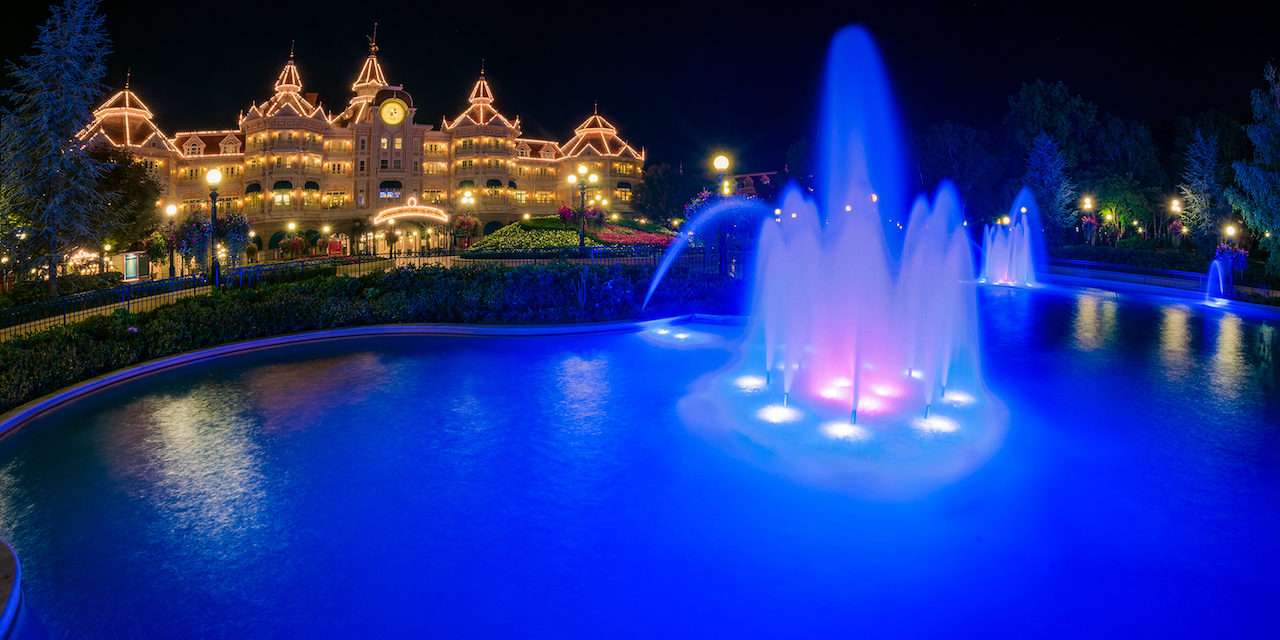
(1012, 248)
(862, 328)
(1220, 281)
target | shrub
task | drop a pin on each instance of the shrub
(40, 363)
(29, 291)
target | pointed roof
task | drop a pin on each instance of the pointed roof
(370, 78)
(288, 98)
(481, 111)
(124, 121)
(289, 78)
(598, 136)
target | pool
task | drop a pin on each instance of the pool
(550, 487)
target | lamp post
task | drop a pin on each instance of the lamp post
(170, 212)
(1175, 208)
(468, 204)
(213, 178)
(582, 178)
(721, 164)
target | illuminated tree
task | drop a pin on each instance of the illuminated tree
(1201, 193)
(1046, 176)
(48, 176)
(1257, 191)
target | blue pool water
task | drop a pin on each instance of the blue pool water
(547, 487)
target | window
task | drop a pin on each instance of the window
(389, 190)
(417, 166)
(382, 164)
(624, 169)
(468, 144)
(361, 166)
(384, 144)
(433, 196)
(522, 196)
(467, 165)
(335, 168)
(399, 143)
(542, 197)
(194, 148)
(364, 143)
(395, 164)
(548, 153)
(335, 199)
(280, 198)
(522, 151)
(435, 149)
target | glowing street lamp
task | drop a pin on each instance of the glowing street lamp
(1229, 231)
(213, 178)
(721, 164)
(1086, 203)
(587, 178)
(170, 212)
(1175, 206)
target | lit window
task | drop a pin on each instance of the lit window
(399, 144)
(384, 144)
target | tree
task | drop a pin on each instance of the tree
(1257, 191)
(130, 195)
(1201, 193)
(663, 192)
(48, 175)
(963, 155)
(1050, 108)
(1046, 176)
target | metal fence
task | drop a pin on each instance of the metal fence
(151, 294)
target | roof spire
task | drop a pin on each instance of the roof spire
(595, 107)
(373, 39)
(128, 73)
(481, 67)
(291, 49)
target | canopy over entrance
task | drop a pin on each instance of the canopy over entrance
(411, 210)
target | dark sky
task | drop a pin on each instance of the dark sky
(683, 80)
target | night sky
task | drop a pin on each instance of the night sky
(682, 81)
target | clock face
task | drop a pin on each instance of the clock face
(393, 111)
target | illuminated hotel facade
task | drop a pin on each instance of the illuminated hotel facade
(288, 161)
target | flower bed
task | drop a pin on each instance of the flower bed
(515, 237)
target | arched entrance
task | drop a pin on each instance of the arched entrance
(431, 219)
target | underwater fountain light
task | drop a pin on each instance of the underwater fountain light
(750, 383)
(778, 414)
(936, 424)
(845, 431)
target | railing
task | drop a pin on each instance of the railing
(152, 294)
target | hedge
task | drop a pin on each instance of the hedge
(40, 363)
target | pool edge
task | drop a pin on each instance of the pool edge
(13, 592)
(14, 419)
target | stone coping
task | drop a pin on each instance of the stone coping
(10, 587)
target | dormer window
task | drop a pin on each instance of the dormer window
(548, 154)
(522, 151)
(194, 148)
(230, 145)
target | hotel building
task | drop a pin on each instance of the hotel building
(289, 160)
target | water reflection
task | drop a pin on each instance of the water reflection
(287, 396)
(1228, 366)
(199, 465)
(1095, 322)
(1175, 341)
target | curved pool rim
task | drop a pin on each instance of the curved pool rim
(15, 419)
(11, 585)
